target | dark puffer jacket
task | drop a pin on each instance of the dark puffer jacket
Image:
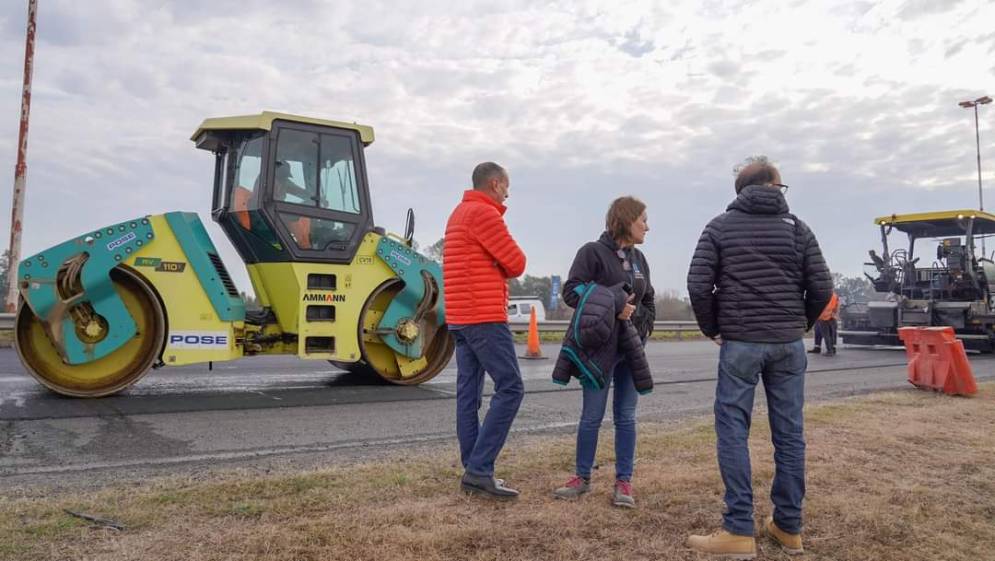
(758, 274)
(595, 338)
(599, 262)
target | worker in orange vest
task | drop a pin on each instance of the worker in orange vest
(825, 327)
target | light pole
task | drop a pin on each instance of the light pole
(977, 139)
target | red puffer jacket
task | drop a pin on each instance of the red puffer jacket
(479, 256)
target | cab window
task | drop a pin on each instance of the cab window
(245, 205)
(316, 233)
(247, 170)
(316, 170)
(339, 190)
(295, 168)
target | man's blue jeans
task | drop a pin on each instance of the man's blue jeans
(485, 347)
(624, 413)
(782, 367)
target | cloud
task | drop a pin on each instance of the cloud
(724, 69)
(634, 45)
(913, 9)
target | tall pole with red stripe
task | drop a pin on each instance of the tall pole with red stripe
(21, 170)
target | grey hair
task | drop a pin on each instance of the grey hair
(485, 172)
(755, 170)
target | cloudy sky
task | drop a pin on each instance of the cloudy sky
(581, 100)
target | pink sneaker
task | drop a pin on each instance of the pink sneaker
(623, 495)
(574, 488)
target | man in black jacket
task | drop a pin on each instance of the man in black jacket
(757, 282)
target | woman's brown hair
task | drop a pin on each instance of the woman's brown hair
(621, 214)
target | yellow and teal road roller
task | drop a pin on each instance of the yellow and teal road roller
(291, 193)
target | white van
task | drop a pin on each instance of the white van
(520, 309)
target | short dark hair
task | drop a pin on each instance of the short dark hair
(755, 170)
(485, 172)
(621, 214)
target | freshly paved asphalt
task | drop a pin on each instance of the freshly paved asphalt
(268, 411)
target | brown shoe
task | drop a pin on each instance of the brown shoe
(724, 545)
(791, 543)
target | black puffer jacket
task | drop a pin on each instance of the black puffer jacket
(599, 262)
(758, 274)
(596, 337)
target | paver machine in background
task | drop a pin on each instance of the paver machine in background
(957, 287)
(291, 193)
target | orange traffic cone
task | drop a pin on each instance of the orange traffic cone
(533, 351)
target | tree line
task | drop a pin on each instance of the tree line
(670, 305)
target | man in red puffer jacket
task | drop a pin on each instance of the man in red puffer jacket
(479, 256)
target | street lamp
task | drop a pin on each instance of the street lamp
(984, 100)
(977, 138)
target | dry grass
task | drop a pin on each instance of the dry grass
(902, 476)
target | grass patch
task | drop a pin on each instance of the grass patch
(902, 476)
(52, 525)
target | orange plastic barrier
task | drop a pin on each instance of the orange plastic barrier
(534, 351)
(937, 360)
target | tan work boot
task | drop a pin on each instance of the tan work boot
(791, 543)
(725, 545)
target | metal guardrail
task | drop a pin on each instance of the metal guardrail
(548, 326)
(6, 322)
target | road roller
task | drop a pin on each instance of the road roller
(291, 193)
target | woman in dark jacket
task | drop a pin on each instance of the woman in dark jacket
(611, 260)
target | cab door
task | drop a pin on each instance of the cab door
(316, 191)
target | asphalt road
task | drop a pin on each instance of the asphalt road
(274, 411)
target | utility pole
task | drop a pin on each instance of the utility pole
(21, 169)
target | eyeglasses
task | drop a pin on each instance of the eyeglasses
(781, 186)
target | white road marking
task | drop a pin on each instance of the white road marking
(16, 398)
(267, 395)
